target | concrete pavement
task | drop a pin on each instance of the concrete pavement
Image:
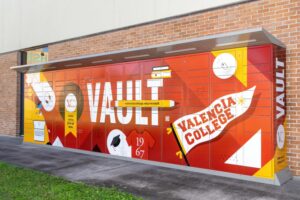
(147, 181)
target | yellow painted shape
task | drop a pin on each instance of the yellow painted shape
(267, 171)
(43, 78)
(179, 154)
(169, 131)
(240, 55)
(161, 74)
(145, 103)
(180, 142)
(32, 114)
(71, 122)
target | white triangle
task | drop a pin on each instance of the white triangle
(249, 155)
(57, 142)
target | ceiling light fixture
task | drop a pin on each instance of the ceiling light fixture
(234, 43)
(101, 61)
(73, 65)
(180, 50)
(137, 56)
(49, 67)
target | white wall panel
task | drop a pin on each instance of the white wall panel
(30, 23)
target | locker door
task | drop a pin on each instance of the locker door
(73, 107)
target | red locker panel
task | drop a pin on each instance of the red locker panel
(212, 110)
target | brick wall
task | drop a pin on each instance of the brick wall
(9, 95)
(279, 17)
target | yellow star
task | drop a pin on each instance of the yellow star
(241, 100)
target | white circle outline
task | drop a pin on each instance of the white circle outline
(280, 136)
(72, 104)
(224, 66)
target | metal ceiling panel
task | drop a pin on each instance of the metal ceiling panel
(242, 38)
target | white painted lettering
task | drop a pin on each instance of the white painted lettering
(93, 101)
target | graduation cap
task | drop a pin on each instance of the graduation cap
(115, 141)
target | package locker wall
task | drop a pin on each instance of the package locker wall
(206, 110)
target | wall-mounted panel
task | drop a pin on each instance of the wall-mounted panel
(25, 24)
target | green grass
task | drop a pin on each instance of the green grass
(19, 183)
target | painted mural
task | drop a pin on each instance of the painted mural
(220, 110)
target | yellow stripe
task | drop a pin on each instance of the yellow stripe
(32, 114)
(145, 103)
(267, 171)
(184, 151)
(161, 74)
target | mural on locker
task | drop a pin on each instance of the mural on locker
(211, 110)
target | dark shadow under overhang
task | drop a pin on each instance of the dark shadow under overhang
(242, 38)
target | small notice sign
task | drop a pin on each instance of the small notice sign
(39, 131)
